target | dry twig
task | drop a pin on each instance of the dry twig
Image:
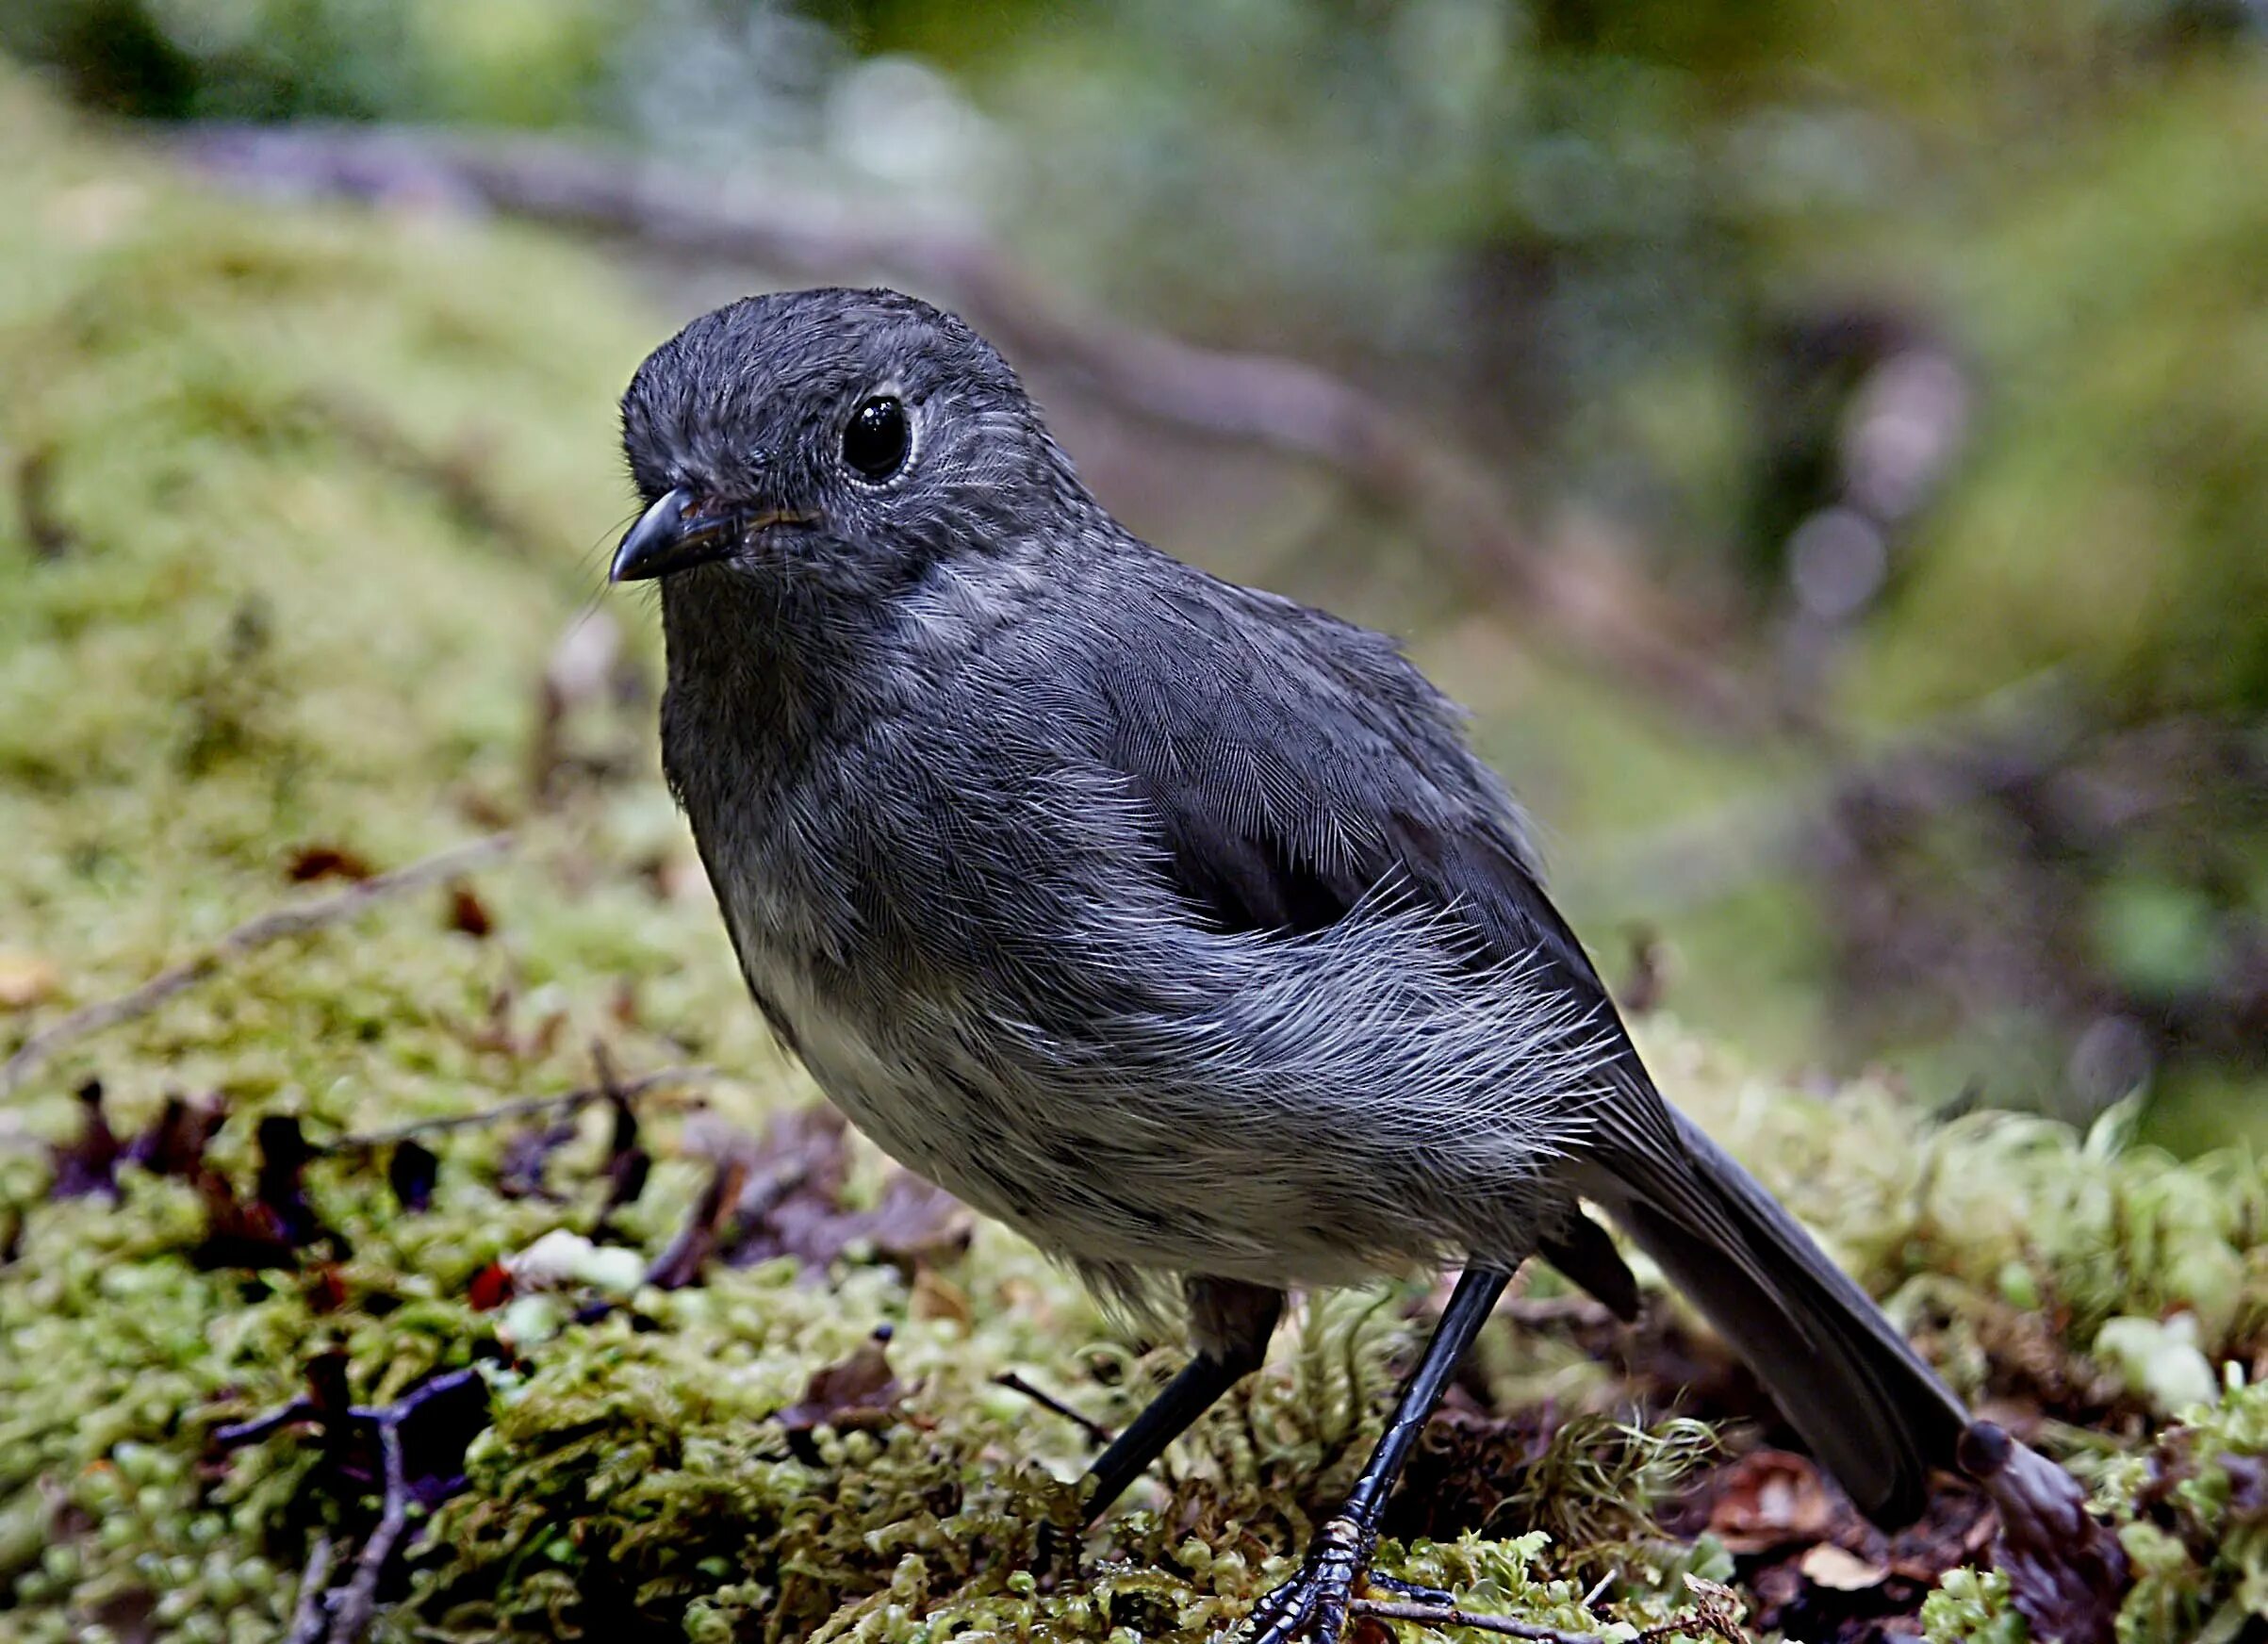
(1047, 1401)
(307, 1611)
(352, 1613)
(1449, 1616)
(566, 1102)
(350, 1610)
(271, 926)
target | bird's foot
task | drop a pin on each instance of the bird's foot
(1313, 1603)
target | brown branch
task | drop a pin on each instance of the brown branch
(2011, 737)
(1585, 602)
(307, 1611)
(350, 1615)
(528, 1106)
(1047, 1401)
(1449, 1616)
(274, 925)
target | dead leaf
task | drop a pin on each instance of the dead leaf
(1770, 1498)
(237, 1234)
(279, 1184)
(89, 1164)
(689, 1252)
(445, 1414)
(628, 1164)
(467, 913)
(326, 1289)
(527, 1158)
(935, 1296)
(174, 1142)
(326, 862)
(279, 1221)
(491, 1288)
(26, 980)
(860, 1392)
(1831, 1567)
(915, 1223)
(2066, 1571)
(1721, 1610)
(412, 1170)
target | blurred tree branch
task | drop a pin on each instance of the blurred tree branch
(2013, 738)
(1584, 601)
(297, 919)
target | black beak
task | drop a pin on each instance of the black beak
(667, 538)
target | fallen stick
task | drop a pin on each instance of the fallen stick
(1449, 1616)
(307, 1613)
(349, 1611)
(274, 925)
(526, 1108)
(352, 1613)
(1047, 1401)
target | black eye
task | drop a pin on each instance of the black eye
(875, 442)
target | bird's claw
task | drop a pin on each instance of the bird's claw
(1313, 1603)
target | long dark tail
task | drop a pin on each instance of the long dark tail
(1873, 1413)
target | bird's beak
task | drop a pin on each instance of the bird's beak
(667, 538)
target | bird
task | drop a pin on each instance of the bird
(1171, 922)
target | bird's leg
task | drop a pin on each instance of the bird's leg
(1165, 1418)
(1231, 1322)
(1315, 1601)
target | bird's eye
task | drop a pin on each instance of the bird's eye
(875, 442)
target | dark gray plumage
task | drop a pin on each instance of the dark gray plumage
(1166, 920)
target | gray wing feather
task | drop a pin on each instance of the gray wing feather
(1298, 764)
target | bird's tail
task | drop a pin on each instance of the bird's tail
(1872, 1411)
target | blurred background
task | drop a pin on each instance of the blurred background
(1826, 445)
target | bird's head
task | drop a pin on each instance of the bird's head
(835, 437)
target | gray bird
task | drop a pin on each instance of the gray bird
(1168, 921)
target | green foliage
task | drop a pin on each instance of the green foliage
(2113, 500)
(1644, 259)
(510, 62)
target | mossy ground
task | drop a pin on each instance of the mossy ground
(305, 504)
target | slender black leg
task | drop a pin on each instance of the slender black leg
(1165, 1418)
(1231, 1322)
(1339, 1559)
